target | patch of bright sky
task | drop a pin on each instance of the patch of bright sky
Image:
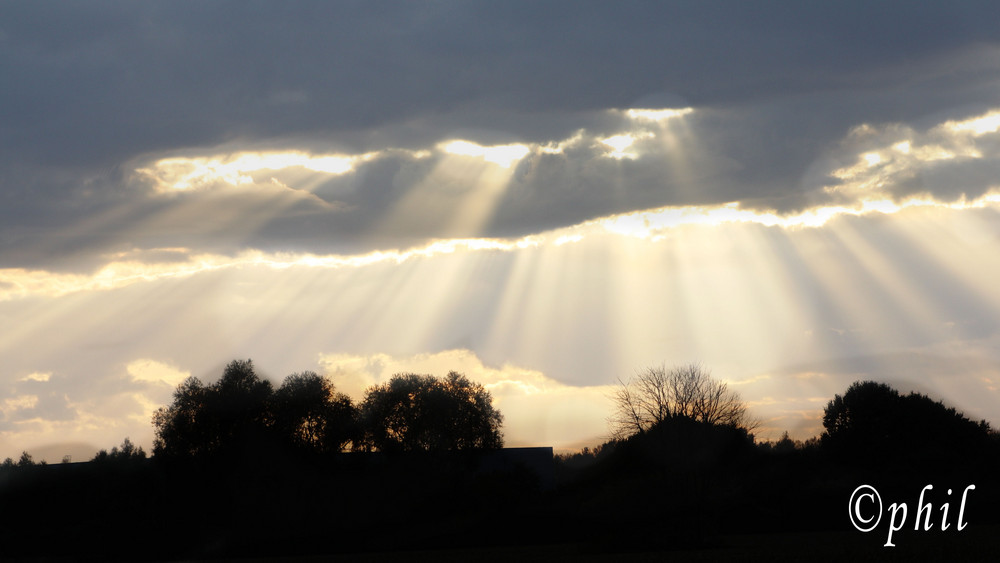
(152, 371)
(501, 155)
(981, 125)
(657, 114)
(37, 376)
(620, 144)
(188, 173)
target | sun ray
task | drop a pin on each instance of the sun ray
(458, 197)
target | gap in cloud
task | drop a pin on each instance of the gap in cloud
(178, 173)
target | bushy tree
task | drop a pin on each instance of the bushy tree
(658, 394)
(414, 412)
(867, 407)
(874, 420)
(242, 412)
(178, 427)
(226, 416)
(310, 415)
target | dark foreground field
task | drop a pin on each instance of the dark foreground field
(975, 543)
(741, 505)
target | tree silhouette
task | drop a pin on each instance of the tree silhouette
(866, 413)
(236, 412)
(241, 412)
(657, 395)
(26, 460)
(421, 413)
(875, 421)
(228, 416)
(127, 452)
(178, 427)
(309, 414)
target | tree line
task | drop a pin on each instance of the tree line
(243, 467)
(871, 421)
(243, 412)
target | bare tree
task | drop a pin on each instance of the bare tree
(688, 391)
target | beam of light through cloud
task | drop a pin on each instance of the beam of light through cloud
(458, 197)
(582, 313)
(645, 125)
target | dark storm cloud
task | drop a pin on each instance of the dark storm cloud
(91, 87)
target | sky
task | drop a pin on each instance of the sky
(548, 197)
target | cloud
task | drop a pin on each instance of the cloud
(152, 371)
(32, 402)
(291, 200)
(84, 408)
(36, 377)
(955, 160)
(323, 86)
